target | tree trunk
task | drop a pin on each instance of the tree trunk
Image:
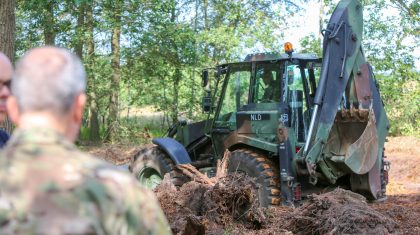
(206, 28)
(49, 24)
(80, 29)
(7, 39)
(192, 100)
(91, 82)
(7, 28)
(115, 78)
(176, 79)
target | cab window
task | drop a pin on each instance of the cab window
(237, 91)
(267, 86)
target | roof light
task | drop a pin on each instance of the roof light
(288, 48)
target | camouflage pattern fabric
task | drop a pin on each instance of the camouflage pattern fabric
(47, 186)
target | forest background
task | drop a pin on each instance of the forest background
(144, 57)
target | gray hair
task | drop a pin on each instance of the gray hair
(48, 79)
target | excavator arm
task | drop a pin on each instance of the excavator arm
(348, 124)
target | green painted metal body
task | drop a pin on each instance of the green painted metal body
(284, 104)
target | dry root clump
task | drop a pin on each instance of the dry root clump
(339, 212)
(233, 199)
(182, 206)
(229, 204)
(218, 205)
(213, 208)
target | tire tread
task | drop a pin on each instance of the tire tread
(268, 171)
(154, 153)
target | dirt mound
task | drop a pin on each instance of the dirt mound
(405, 210)
(404, 155)
(115, 154)
(202, 207)
(230, 206)
(339, 212)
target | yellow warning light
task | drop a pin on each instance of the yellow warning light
(288, 47)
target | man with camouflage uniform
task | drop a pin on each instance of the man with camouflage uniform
(47, 186)
(272, 90)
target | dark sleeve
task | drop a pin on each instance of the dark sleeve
(4, 137)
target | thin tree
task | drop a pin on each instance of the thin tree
(7, 28)
(49, 23)
(116, 73)
(91, 63)
(7, 38)
(80, 29)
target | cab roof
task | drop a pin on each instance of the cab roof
(278, 56)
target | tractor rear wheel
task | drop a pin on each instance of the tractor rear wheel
(262, 169)
(150, 165)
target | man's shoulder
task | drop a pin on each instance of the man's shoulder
(53, 154)
(99, 169)
(69, 168)
(84, 182)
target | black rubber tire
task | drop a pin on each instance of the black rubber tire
(153, 157)
(262, 169)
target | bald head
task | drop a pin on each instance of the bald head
(48, 79)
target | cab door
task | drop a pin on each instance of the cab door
(235, 94)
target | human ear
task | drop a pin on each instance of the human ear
(78, 108)
(13, 110)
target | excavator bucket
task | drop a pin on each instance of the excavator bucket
(354, 141)
(361, 155)
(349, 121)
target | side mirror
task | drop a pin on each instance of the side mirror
(221, 70)
(206, 102)
(205, 77)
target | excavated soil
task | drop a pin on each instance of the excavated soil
(339, 212)
(198, 208)
(115, 154)
(228, 206)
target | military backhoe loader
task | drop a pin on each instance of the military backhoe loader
(297, 123)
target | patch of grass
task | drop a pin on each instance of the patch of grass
(127, 134)
(132, 130)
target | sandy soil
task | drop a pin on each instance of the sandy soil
(403, 204)
(399, 214)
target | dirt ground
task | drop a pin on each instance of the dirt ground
(219, 208)
(403, 204)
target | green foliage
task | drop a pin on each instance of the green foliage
(402, 103)
(133, 130)
(390, 38)
(166, 43)
(391, 34)
(84, 134)
(311, 44)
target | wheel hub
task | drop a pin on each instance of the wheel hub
(149, 178)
